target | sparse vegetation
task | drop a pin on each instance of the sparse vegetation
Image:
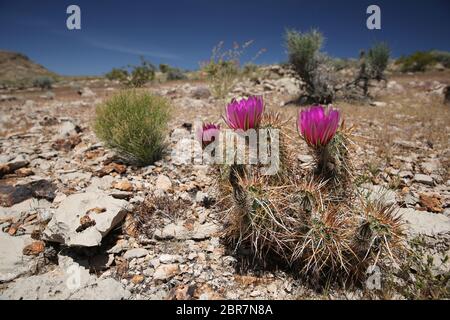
(164, 67)
(157, 208)
(17, 71)
(377, 60)
(342, 63)
(44, 83)
(223, 68)
(442, 57)
(172, 73)
(175, 74)
(312, 66)
(250, 69)
(117, 74)
(141, 74)
(421, 60)
(134, 124)
(134, 76)
(416, 62)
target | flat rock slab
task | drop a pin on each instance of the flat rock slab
(60, 284)
(423, 178)
(425, 223)
(12, 261)
(180, 232)
(83, 219)
(135, 253)
(24, 206)
(379, 193)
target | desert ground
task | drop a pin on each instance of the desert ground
(53, 168)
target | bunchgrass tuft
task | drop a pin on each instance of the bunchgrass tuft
(134, 124)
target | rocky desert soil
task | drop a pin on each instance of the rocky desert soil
(68, 206)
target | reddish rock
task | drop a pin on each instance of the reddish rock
(34, 248)
(431, 202)
(137, 279)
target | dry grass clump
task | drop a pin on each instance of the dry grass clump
(154, 208)
(134, 124)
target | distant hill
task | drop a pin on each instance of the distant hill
(17, 69)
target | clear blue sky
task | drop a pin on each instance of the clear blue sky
(115, 33)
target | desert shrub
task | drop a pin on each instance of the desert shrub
(416, 62)
(340, 63)
(377, 60)
(134, 124)
(117, 74)
(156, 209)
(133, 76)
(141, 74)
(164, 67)
(221, 76)
(249, 69)
(442, 57)
(310, 64)
(44, 83)
(175, 74)
(223, 68)
(17, 83)
(172, 73)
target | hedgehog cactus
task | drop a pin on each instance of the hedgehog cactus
(299, 217)
(318, 126)
(245, 114)
(207, 133)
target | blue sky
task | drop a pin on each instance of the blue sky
(115, 33)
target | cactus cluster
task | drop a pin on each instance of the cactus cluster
(311, 220)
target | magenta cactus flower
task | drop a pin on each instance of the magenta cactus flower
(245, 114)
(207, 133)
(318, 125)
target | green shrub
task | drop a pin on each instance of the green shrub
(223, 68)
(377, 60)
(43, 82)
(221, 76)
(442, 57)
(164, 67)
(303, 49)
(416, 62)
(117, 74)
(340, 64)
(134, 124)
(171, 72)
(141, 74)
(250, 70)
(175, 74)
(310, 64)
